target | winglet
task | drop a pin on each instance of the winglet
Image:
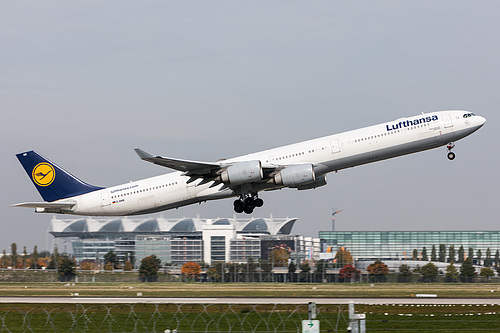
(143, 154)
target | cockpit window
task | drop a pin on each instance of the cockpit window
(467, 115)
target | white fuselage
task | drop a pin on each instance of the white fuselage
(327, 154)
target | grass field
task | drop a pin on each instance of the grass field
(473, 290)
(142, 317)
(242, 318)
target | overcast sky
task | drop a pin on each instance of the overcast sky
(85, 83)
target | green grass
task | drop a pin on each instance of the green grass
(299, 290)
(242, 318)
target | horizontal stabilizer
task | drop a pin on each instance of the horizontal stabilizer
(50, 205)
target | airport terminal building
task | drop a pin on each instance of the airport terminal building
(399, 245)
(177, 241)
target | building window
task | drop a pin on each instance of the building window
(218, 248)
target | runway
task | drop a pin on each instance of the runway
(214, 300)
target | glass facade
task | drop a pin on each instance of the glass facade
(400, 244)
(158, 245)
(125, 249)
(242, 249)
(185, 250)
(218, 248)
(92, 249)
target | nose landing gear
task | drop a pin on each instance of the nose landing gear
(247, 204)
(451, 155)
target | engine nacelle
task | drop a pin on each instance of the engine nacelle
(243, 173)
(295, 175)
(320, 181)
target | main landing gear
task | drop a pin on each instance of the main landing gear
(451, 155)
(247, 204)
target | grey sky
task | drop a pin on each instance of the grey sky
(84, 84)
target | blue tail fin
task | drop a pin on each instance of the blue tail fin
(52, 182)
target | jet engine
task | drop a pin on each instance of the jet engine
(320, 181)
(242, 173)
(295, 175)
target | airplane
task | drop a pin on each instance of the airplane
(302, 165)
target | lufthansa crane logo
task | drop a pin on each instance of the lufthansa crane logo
(43, 174)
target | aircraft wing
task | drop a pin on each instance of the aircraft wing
(190, 167)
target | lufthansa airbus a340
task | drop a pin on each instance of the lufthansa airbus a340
(302, 165)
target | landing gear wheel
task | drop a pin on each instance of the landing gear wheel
(248, 210)
(249, 202)
(238, 206)
(451, 155)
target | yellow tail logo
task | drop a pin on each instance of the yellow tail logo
(43, 174)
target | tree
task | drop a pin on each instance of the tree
(54, 259)
(291, 271)
(461, 254)
(487, 259)
(34, 258)
(5, 260)
(148, 270)
(348, 272)
(429, 272)
(467, 271)
(280, 256)
(233, 269)
(108, 266)
(378, 270)
(479, 256)
(486, 272)
(433, 253)
(320, 266)
(319, 272)
(404, 273)
(191, 270)
(87, 265)
(112, 258)
(343, 256)
(451, 273)
(217, 271)
(424, 254)
(251, 265)
(265, 266)
(497, 259)
(128, 266)
(470, 253)
(13, 255)
(414, 254)
(66, 269)
(451, 253)
(251, 269)
(25, 257)
(442, 253)
(305, 270)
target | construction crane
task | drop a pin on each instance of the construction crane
(335, 212)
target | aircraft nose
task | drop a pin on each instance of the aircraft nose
(481, 120)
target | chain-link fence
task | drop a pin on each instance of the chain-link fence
(147, 317)
(161, 317)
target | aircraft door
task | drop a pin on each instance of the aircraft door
(335, 145)
(105, 200)
(447, 122)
